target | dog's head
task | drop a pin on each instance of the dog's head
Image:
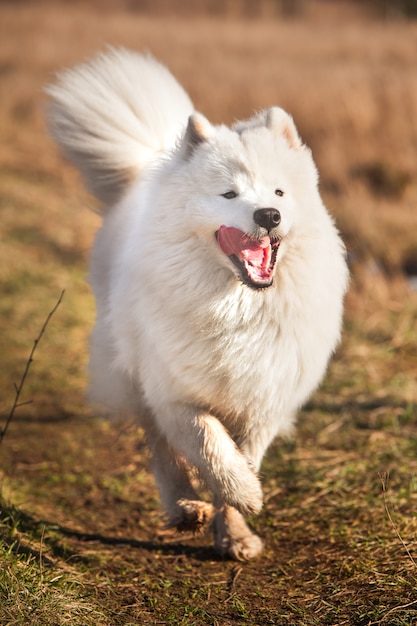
(249, 187)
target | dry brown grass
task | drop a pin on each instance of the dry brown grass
(350, 83)
(351, 86)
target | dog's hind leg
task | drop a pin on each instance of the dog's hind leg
(233, 538)
(185, 509)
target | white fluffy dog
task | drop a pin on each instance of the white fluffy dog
(219, 278)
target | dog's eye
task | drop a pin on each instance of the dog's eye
(229, 195)
(279, 192)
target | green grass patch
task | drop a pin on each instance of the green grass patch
(33, 589)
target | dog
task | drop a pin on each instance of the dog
(219, 278)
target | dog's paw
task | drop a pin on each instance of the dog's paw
(233, 538)
(242, 548)
(192, 515)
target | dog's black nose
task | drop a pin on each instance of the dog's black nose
(267, 218)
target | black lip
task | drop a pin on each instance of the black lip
(245, 278)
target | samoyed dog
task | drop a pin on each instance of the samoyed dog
(219, 278)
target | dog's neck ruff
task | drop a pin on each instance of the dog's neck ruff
(255, 258)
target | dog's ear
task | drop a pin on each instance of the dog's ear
(198, 131)
(281, 123)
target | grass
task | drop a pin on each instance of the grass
(32, 589)
(82, 537)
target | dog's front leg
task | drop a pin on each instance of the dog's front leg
(206, 445)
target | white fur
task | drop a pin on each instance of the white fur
(106, 115)
(212, 368)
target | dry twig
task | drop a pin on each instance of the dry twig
(384, 480)
(18, 388)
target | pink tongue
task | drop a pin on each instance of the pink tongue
(233, 241)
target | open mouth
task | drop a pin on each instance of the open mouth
(255, 258)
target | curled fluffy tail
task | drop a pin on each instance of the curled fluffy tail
(113, 115)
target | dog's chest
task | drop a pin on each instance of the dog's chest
(237, 356)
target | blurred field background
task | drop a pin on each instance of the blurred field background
(347, 73)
